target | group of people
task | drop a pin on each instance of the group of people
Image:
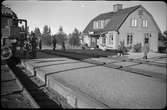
(30, 46)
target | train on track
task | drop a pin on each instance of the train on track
(13, 34)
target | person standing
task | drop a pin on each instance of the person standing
(34, 45)
(146, 50)
(40, 44)
(63, 46)
(54, 42)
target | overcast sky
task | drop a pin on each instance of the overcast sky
(77, 14)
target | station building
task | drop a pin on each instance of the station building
(130, 25)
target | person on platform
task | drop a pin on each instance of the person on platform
(54, 43)
(34, 45)
(40, 44)
(146, 49)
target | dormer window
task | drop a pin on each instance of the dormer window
(95, 25)
(100, 24)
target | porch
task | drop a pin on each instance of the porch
(108, 40)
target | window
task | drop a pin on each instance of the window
(102, 24)
(95, 25)
(110, 39)
(129, 38)
(146, 37)
(98, 24)
(144, 23)
(4, 22)
(134, 22)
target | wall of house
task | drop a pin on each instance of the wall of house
(86, 40)
(139, 31)
(108, 38)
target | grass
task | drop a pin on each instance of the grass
(91, 53)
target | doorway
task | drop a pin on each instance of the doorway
(93, 42)
(147, 38)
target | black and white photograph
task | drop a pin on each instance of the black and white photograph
(94, 54)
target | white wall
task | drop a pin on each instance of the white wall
(86, 39)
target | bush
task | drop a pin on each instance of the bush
(137, 47)
(129, 48)
(122, 48)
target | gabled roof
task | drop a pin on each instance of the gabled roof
(116, 19)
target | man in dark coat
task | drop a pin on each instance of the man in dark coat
(54, 42)
(34, 45)
(63, 46)
(40, 44)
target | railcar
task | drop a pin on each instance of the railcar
(13, 34)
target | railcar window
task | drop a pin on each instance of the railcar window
(4, 22)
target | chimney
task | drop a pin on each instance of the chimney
(117, 7)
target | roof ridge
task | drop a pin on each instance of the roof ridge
(120, 10)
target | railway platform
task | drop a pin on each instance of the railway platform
(13, 93)
(103, 82)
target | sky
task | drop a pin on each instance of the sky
(77, 14)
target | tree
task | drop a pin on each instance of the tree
(161, 37)
(45, 29)
(46, 35)
(37, 32)
(54, 41)
(165, 38)
(165, 33)
(61, 37)
(74, 39)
